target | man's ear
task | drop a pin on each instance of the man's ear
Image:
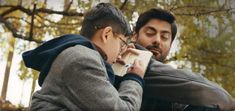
(134, 37)
(106, 34)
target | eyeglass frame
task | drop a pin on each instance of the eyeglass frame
(126, 43)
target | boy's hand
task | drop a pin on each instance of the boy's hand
(137, 68)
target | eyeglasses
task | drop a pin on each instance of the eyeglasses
(124, 43)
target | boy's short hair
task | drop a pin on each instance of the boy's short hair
(101, 16)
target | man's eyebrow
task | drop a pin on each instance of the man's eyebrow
(151, 28)
(165, 31)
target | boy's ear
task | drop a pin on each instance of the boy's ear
(106, 34)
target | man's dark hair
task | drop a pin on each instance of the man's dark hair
(156, 13)
(101, 16)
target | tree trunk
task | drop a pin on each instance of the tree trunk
(35, 77)
(67, 5)
(8, 67)
(33, 86)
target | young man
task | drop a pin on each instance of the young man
(75, 72)
(164, 86)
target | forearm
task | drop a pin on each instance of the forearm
(162, 81)
(101, 95)
(87, 85)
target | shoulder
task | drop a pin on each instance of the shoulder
(78, 55)
(80, 52)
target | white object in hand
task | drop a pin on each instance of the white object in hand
(128, 65)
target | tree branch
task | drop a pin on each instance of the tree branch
(123, 5)
(18, 18)
(203, 13)
(9, 11)
(191, 6)
(204, 10)
(45, 19)
(14, 31)
(41, 10)
(67, 8)
(32, 22)
(7, 6)
(49, 11)
(42, 25)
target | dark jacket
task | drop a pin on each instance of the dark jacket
(165, 85)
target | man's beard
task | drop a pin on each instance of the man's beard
(157, 52)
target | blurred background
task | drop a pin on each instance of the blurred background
(205, 41)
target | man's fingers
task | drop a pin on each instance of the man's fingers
(132, 50)
(131, 45)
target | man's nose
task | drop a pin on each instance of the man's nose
(156, 39)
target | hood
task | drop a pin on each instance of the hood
(43, 56)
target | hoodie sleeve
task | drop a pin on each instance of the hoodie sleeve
(167, 83)
(86, 84)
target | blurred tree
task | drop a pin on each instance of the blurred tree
(206, 30)
(207, 40)
(8, 67)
